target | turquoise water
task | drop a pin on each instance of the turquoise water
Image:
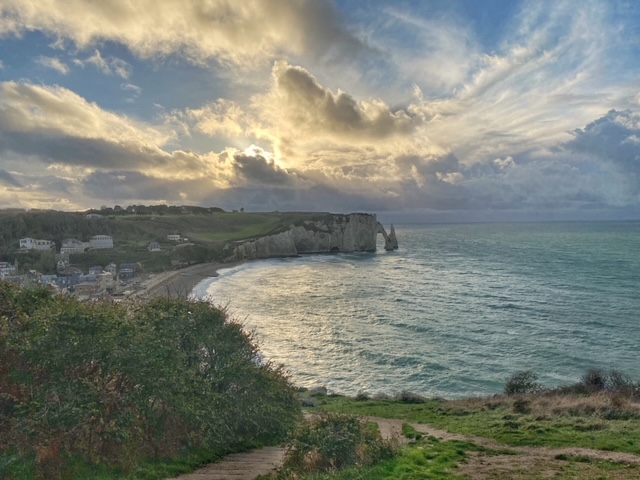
(453, 312)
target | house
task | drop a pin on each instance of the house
(174, 237)
(128, 270)
(93, 216)
(111, 268)
(6, 269)
(34, 244)
(100, 242)
(154, 247)
(85, 289)
(95, 270)
(71, 245)
(106, 282)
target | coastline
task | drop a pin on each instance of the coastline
(178, 283)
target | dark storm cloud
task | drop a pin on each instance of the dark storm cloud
(53, 147)
(257, 169)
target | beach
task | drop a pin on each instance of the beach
(177, 283)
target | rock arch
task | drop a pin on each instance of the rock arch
(390, 239)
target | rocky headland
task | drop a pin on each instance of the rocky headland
(329, 233)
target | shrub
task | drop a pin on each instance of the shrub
(334, 441)
(522, 383)
(116, 384)
(410, 397)
(594, 380)
(362, 397)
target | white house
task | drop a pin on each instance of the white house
(6, 269)
(101, 241)
(174, 237)
(34, 244)
(154, 247)
(71, 245)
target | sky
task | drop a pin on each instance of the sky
(431, 110)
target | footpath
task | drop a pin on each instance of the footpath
(240, 466)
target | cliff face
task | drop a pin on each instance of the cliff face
(355, 232)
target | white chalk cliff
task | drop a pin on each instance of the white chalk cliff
(355, 232)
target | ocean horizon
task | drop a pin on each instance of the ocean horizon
(452, 313)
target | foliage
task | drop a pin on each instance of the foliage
(410, 397)
(522, 383)
(332, 441)
(112, 385)
(597, 380)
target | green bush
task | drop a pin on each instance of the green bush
(410, 397)
(117, 384)
(334, 441)
(522, 383)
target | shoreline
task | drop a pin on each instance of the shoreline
(178, 283)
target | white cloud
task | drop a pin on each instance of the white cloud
(222, 117)
(134, 91)
(239, 33)
(54, 64)
(108, 66)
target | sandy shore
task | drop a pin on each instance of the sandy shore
(178, 283)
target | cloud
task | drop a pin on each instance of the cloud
(133, 90)
(57, 126)
(109, 66)
(8, 179)
(54, 64)
(613, 140)
(254, 168)
(56, 111)
(298, 106)
(222, 117)
(238, 33)
(614, 136)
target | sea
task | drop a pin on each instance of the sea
(452, 313)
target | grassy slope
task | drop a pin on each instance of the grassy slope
(583, 422)
(600, 421)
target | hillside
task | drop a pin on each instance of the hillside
(205, 230)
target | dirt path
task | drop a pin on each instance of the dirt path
(517, 463)
(240, 466)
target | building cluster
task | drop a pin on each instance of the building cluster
(110, 281)
(69, 246)
(99, 282)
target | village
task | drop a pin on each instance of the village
(99, 282)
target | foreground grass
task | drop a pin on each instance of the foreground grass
(549, 421)
(428, 458)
